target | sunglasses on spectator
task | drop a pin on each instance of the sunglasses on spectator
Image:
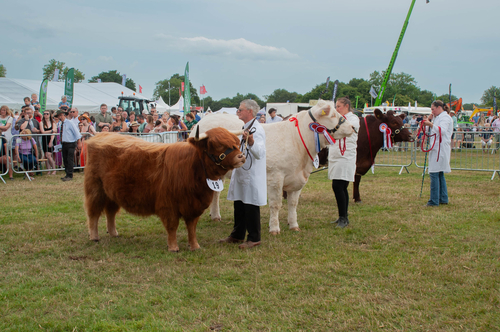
(45, 113)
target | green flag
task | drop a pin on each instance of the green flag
(43, 95)
(68, 86)
(187, 93)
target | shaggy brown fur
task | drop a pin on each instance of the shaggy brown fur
(169, 181)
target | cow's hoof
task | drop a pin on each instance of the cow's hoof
(295, 229)
(194, 248)
(274, 233)
(360, 201)
(95, 240)
(174, 249)
(216, 219)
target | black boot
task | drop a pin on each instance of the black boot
(335, 222)
(343, 222)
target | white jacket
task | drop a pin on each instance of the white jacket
(343, 167)
(249, 182)
(444, 122)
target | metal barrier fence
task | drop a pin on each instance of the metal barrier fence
(470, 153)
(36, 155)
(474, 151)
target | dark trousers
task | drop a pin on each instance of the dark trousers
(341, 195)
(68, 155)
(246, 218)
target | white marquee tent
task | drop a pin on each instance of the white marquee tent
(161, 106)
(87, 96)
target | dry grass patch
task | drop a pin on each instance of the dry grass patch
(399, 266)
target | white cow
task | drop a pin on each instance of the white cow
(288, 162)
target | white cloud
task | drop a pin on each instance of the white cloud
(70, 54)
(105, 58)
(240, 49)
(16, 53)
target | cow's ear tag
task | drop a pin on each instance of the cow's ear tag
(316, 162)
(216, 185)
(323, 112)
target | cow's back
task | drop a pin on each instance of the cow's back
(145, 178)
(226, 121)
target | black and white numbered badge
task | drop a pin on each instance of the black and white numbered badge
(316, 161)
(216, 185)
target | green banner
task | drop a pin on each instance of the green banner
(43, 95)
(68, 86)
(187, 93)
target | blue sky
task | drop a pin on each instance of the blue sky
(258, 46)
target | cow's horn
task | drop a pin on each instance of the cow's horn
(197, 136)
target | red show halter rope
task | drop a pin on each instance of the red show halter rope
(424, 135)
(294, 119)
(342, 150)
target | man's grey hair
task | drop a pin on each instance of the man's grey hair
(252, 105)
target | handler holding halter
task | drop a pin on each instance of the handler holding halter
(440, 151)
(248, 187)
(342, 162)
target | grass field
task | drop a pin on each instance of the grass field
(397, 267)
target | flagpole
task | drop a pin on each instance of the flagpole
(388, 72)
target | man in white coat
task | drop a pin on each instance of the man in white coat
(342, 162)
(439, 156)
(248, 187)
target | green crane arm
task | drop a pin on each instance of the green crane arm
(388, 72)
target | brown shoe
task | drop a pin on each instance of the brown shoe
(249, 244)
(230, 240)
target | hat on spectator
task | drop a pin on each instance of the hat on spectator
(59, 112)
(452, 112)
(134, 124)
(84, 116)
(177, 113)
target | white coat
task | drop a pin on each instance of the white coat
(343, 167)
(444, 122)
(249, 182)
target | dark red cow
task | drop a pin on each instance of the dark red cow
(169, 180)
(365, 159)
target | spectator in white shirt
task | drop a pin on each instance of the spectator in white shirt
(73, 116)
(272, 118)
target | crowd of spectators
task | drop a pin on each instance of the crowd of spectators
(29, 121)
(27, 151)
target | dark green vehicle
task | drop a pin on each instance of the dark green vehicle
(134, 104)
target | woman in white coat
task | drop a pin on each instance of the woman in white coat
(248, 187)
(342, 162)
(439, 155)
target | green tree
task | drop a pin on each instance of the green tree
(399, 84)
(282, 96)
(487, 98)
(50, 68)
(79, 76)
(3, 71)
(208, 102)
(446, 98)
(113, 76)
(425, 98)
(176, 80)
